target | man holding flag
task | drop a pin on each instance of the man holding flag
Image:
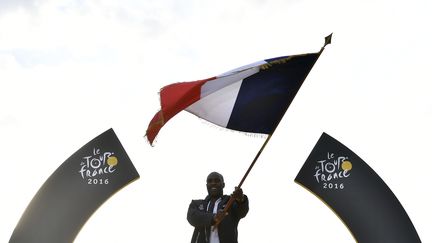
(249, 99)
(212, 224)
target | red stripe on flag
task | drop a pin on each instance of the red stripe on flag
(174, 98)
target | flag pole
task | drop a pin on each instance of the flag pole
(327, 40)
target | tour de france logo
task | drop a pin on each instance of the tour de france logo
(96, 167)
(333, 171)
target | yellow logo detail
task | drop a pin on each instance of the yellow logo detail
(112, 161)
(346, 165)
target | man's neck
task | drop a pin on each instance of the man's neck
(213, 199)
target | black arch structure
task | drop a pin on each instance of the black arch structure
(356, 194)
(75, 191)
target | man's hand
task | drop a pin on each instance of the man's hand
(238, 195)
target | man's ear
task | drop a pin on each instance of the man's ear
(223, 185)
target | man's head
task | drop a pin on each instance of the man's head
(215, 185)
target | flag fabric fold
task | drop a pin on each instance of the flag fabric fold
(356, 193)
(251, 99)
(75, 191)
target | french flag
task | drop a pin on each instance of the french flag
(252, 98)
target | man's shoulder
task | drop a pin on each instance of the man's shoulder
(198, 203)
(198, 200)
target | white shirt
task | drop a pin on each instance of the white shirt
(214, 235)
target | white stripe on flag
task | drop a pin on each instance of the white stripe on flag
(243, 68)
(217, 106)
(230, 77)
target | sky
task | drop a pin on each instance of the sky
(69, 70)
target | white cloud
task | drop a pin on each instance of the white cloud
(12, 5)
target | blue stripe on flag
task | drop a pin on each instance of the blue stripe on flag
(264, 96)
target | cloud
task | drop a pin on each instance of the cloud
(28, 58)
(12, 5)
(7, 61)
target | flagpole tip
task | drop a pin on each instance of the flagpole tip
(327, 39)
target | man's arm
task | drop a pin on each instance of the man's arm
(197, 217)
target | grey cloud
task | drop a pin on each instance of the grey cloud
(10, 5)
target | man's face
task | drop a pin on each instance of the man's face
(215, 185)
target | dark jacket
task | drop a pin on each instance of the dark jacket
(201, 219)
